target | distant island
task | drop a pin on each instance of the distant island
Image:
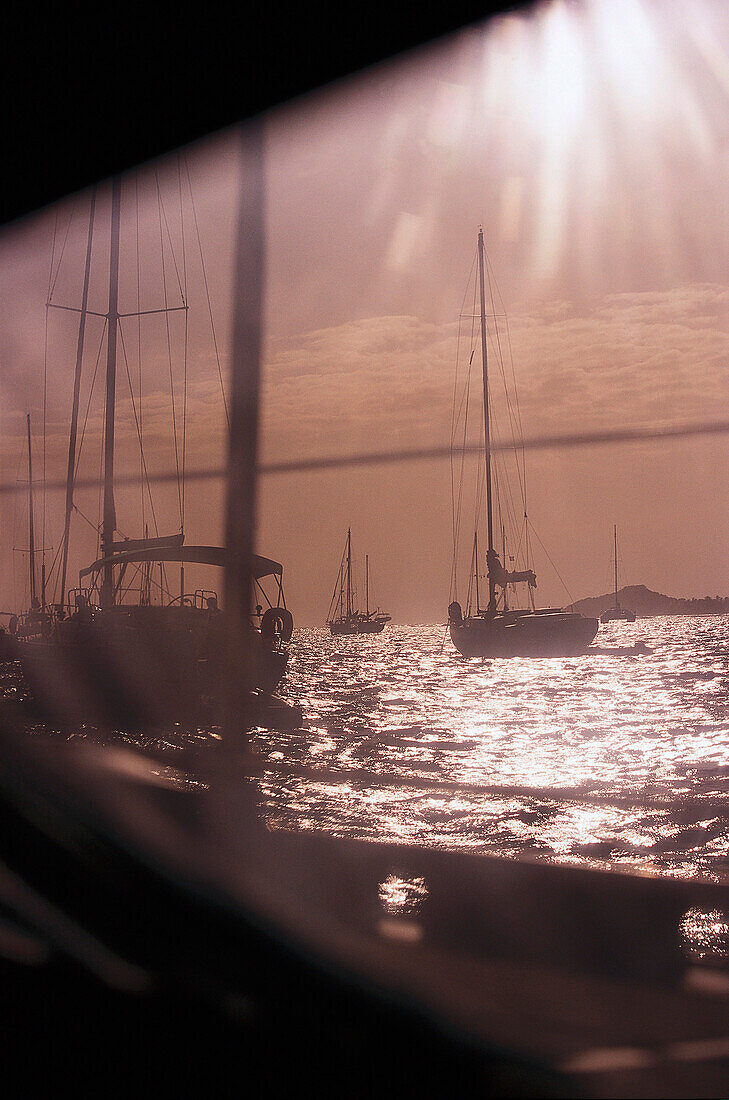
(644, 602)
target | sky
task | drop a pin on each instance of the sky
(590, 141)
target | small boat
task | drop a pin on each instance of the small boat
(343, 617)
(497, 630)
(617, 612)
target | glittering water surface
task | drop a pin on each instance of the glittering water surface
(613, 758)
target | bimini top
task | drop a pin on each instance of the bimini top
(198, 555)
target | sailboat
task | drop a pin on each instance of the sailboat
(617, 612)
(343, 618)
(498, 630)
(109, 659)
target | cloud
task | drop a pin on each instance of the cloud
(625, 360)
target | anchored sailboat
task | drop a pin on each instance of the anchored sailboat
(109, 658)
(617, 612)
(497, 630)
(343, 618)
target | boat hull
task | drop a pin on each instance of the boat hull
(139, 667)
(367, 626)
(617, 615)
(548, 633)
(8, 647)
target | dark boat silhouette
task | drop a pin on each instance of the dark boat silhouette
(497, 630)
(617, 612)
(104, 657)
(343, 617)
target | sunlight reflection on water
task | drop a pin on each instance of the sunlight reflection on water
(403, 737)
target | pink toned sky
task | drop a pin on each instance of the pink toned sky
(591, 142)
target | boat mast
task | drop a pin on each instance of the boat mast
(503, 558)
(615, 550)
(31, 529)
(367, 583)
(475, 568)
(147, 576)
(340, 582)
(71, 470)
(486, 427)
(349, 572)
(109, 522)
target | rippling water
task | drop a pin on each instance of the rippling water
(611, 758)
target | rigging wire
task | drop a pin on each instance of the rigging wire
(185, 344)
(207, 290)
(138, 426)
(455, 416)
(480, 487)
(144, 482)
(15, 522)
(559, 575)
(88, 403)
(92, 525)
(514, 411)
(519, 432)
(52, 280)
(337, 593)
(169, 343)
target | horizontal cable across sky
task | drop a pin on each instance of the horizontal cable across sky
(311, 465)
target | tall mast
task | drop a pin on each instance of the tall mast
(341, 589)
(349, 572)
(503, 558)
(367, 584)
(71, 470)
(147, 576)
(31, 529)
(615, 551)
(475, 568)
(109, 522)
(486, 426)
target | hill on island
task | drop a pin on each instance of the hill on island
(644, 602)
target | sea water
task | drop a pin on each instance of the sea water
(616, 758)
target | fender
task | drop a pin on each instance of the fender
(277, 620)
(455, 614)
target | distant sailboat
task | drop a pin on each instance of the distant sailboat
(343, 617)
(617, 612)
(497, 630)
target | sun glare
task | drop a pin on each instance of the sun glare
(602, 102)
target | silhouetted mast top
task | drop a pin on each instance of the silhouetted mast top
(109, 522)
(486, 425)
(367, 585)
(615, 548)
(349, 572)
(73, 435)
(31, 528)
